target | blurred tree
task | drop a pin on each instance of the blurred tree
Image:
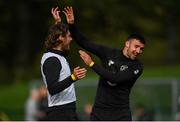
(24, 24)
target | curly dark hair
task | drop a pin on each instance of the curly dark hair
(54, 32)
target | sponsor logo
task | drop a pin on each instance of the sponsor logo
(110, 62)
(111, 84)
(123, 67)
(136, 72)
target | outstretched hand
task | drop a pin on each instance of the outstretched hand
(85, 57)
(68, 11)
(79, 73)
(55, 12)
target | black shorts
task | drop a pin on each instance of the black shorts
(65, 112)
(110, 115)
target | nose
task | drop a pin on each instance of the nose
(138, 50)
(70, 38)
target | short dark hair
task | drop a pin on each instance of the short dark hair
(53, 34)
(137, 36)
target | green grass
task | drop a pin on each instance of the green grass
(12, 100)
(13, 97)
(155, 72)
(162, 72)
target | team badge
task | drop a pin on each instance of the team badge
(123, 67)
(136, 72)
(110, 62)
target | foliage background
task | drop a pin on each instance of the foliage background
(24, 25)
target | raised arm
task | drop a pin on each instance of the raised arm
(81, 40)
(68, 11)
(55, 13)
(118, 77)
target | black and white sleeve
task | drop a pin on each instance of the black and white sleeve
(51, 68)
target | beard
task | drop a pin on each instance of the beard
(66, 49)
(131, 55)
(66, 52)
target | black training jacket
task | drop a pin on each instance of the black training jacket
(117, 76)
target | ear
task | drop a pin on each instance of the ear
(127, 43)
(61, 38)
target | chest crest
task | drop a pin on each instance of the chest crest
(136, 72)
(123, 67)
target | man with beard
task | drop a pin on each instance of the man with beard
(57, 75)
(118, 72)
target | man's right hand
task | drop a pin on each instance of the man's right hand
(79, 73)
(85, 57)
(68, 11)
(55, 12)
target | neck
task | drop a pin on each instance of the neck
(125, 53)
(58, 48)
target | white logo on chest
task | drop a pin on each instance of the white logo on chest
(136, 72)
(111, 84)
(110, 62)
(123, 67)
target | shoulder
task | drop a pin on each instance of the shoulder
(137, 68)
(138, 63)
(52, 59)
(51, 65)
(51, 62)
(50, 54)
(140, 66)
(114, 51)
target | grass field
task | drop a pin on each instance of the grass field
(164, 72)
(13, 97)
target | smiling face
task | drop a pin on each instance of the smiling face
(133, 48)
